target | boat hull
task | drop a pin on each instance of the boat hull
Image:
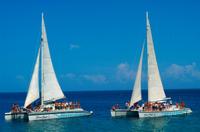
(33, 116)
(143, 114)
(16, 116)
(124, 113)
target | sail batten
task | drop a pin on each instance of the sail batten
(33, 91)
(51, 89)
(136, 94)
(155, 86)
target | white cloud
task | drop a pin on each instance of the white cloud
(85, 77)
(124, 73)
(69, 76)
(73, 46)
(185, 72)
(95, 78)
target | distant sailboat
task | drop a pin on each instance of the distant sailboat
(50, 91)
(158, 105)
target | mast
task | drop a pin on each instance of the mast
(155, 86)
(136, 94)
(42, 74)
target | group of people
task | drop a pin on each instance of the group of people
(127, 106)
(60, 106)
(15, 108)
(155, 106)
(66, 105)
(151, 106)
(50, 107)
(161, 106)
(114, 107)
(180, 105)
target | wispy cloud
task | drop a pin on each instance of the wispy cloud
(69, 76)
(73, 46)
(99, 78)
(183, 72)
(95, 78)
(124, 73)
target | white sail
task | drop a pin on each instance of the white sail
(136, 94)
(155, 86)
(51, 90)
(33, 91)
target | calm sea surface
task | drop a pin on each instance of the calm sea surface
(100, 103)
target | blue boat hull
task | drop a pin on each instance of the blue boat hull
(144, 114)
(124, 113)
(57, 115)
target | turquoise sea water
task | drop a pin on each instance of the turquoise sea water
(100, 103)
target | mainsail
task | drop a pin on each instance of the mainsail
(155, 87)
(51, 90)
(136, 94)
(33, 91)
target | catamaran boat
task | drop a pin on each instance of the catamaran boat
(158, 105)
(51, 92)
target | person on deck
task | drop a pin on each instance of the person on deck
(127, 104)
(182, 104)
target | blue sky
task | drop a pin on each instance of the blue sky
(95, 44)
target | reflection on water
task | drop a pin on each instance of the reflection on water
(157, 124)
(51, 125)
(137, 124)
(146, 124)
(61, 125)
(58, 125)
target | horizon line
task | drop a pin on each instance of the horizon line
(104, 90)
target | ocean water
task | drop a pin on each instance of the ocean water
(100, 103)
